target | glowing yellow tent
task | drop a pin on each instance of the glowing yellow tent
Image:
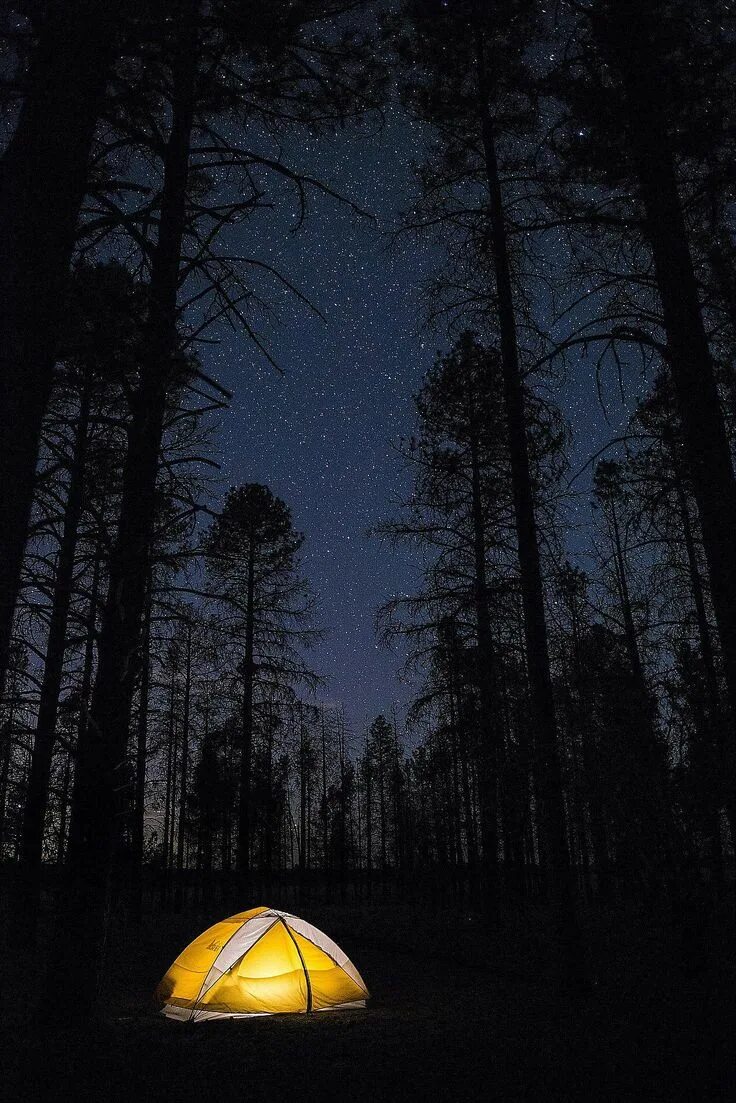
(260, 962)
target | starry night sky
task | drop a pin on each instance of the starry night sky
(320, 435)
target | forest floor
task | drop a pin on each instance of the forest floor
(455, 1015)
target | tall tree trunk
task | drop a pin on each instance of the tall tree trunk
(78, 948)
(170, 873)
(535, 624)
(85, 689)
(457, 838)
(343, 808)
(368, 819)
(590, 771)
(141, 754)
(183, 788)
(308, 849)
(42, 180)
(270, 803)
(650, 781)
(627, 35)
(489, 749)
(648, 753)
(698, 593)
(577, 800)
(382, 807)
(471, 844)
(246, 729)
(711, 795)
(64, 808)
(325, 850)
(397, 802)
(302, 796)
(630, 636)
(37, 792)
(169, 793)
(6, 752)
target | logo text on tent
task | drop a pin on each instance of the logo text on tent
(214, 945)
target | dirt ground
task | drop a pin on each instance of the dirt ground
(454, 1015)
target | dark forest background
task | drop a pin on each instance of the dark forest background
(164, 743)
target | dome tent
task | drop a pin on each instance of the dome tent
(259, 962)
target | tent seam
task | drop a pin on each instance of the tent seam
(227, 943)
(304, 967)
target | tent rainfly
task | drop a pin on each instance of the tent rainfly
(259, 962)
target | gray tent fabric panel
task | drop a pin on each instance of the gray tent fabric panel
(320, 939)
(237, 947)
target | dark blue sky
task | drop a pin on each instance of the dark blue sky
(320, 434)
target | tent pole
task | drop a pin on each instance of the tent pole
(306, 973)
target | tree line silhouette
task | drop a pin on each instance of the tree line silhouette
(573, 733)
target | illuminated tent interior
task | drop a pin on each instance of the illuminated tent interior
(259, 962)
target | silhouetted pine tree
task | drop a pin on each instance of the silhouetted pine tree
(467, 76)
(252, 555)
(43, 178)
(645, 89)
